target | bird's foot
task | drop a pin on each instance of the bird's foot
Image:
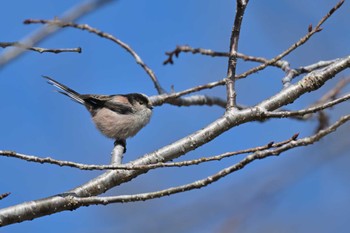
(121, 142)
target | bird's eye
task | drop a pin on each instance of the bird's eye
(143, 102)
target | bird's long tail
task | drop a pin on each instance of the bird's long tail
(65, 90)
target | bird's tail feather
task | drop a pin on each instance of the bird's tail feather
(65, 90)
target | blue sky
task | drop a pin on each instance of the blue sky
(304, 190)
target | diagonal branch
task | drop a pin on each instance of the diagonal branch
(168, 98)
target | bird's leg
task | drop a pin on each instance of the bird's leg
(121, 142)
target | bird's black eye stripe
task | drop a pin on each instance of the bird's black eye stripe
(135, 97)
(141, 102)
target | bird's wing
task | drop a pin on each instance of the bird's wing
(100, 101)
(118, 107)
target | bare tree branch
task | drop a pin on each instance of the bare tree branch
(208, 52)
(232, 62)
(292, 73)
(212, 53)
(168, 98)
(199, 100)
(334, 92)
(37, 49)
(329, 96)
(284, 114)
(186, 49)
(117, 153)
(117, 164)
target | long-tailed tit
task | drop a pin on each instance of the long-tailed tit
(116, 116)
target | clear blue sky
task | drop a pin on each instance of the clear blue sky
(304, 190)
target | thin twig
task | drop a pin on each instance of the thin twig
(322, 117)
(38, 49)
(126, 47)
(186, 49)
(292, 73)
(334, 92)
(328, 96)
(284, 114)
(116, 163)
(165, 98)
(232, 61)
(208, 52)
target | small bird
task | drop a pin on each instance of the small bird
(116, 116)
